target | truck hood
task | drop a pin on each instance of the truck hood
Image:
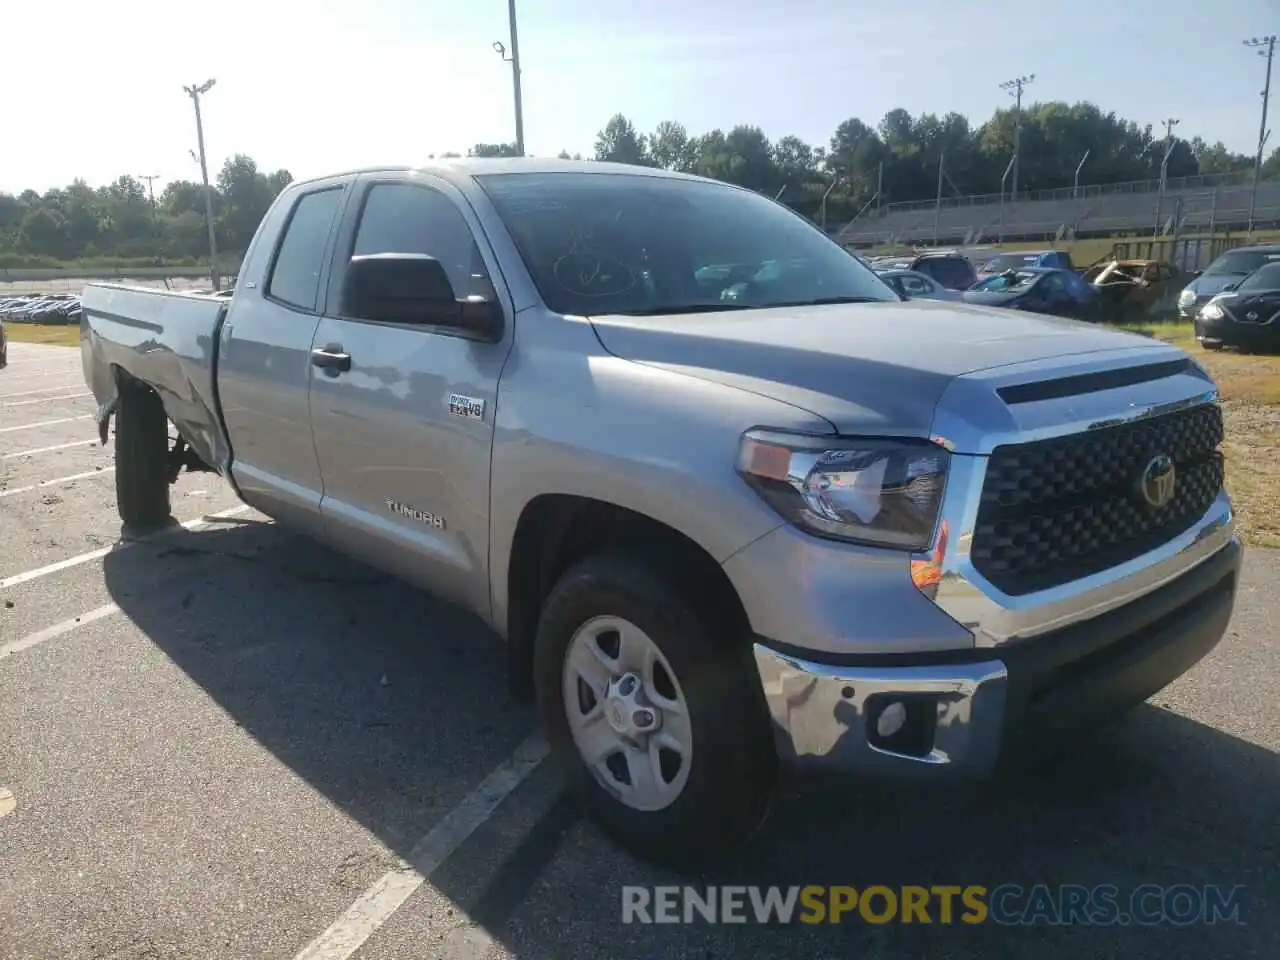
(875, 367)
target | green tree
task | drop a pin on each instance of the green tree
(44, 233)
(620, 143)
(246, 195)
(671, 148)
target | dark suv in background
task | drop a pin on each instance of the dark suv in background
(950, 270)
(1230, 268)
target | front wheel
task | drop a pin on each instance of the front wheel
(655, 719)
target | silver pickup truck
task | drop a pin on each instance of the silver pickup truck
(728, 499)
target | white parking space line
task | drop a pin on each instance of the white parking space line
(58, 481)
(66, 371)
(45, 423)
(57, 630)
(92, 555)
(31, 393)
(57, 446)
(27, 403)
(377, 904)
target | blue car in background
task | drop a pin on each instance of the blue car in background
(1060, 293)
(1231, 267)
(1026, 260)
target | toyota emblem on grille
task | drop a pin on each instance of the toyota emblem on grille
(1157, 481)
(1251, 315)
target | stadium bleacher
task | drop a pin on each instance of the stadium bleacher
(1190, 204)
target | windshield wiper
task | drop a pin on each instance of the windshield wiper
(684, 308)
(826, 301)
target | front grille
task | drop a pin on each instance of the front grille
(1056, 510)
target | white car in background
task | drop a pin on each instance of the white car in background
(914, 285)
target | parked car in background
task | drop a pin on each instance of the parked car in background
(912, 285)
(1245, 314)
(1040, 290)
(1132, 289)
(42, 308)
(950, 269)
(1230, 268)
(1026, 259)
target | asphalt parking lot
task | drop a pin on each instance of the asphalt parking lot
(227, 741)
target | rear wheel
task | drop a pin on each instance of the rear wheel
(1211, 344)
(655, 718)
(142, 448)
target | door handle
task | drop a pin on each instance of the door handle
(331, 359)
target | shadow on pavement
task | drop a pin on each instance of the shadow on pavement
(1151, 799)
(390, 704)
(394, 705)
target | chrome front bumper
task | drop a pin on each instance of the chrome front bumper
(824, 715)
(821, 717)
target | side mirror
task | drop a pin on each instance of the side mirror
(1230, 286)
(414, 288)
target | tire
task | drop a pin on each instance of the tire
(729, 778)
(142, 449)
(1211, 346)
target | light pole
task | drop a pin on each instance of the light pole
(1266, 47)
(195, 92)
(151, 198)
(1014, 89)
(1169, 142)
(1003, 177)
(1075, 189)
(514, 60)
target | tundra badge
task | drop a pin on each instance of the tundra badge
(413, 513)
(469, 408)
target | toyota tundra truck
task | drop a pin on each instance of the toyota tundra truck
(732, 505)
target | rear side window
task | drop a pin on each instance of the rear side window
(295, 277)
(405, 218)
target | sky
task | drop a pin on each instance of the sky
(329, 85)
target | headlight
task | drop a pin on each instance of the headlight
(1187, 296)
(886, 493)
(1211, 311)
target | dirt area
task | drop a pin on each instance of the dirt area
(63, 334)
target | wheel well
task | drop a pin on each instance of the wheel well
(556, 531)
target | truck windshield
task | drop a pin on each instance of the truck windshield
(606, 243)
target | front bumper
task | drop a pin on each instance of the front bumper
(968, 709)
(1233, 333)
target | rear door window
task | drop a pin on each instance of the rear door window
(295, 275)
